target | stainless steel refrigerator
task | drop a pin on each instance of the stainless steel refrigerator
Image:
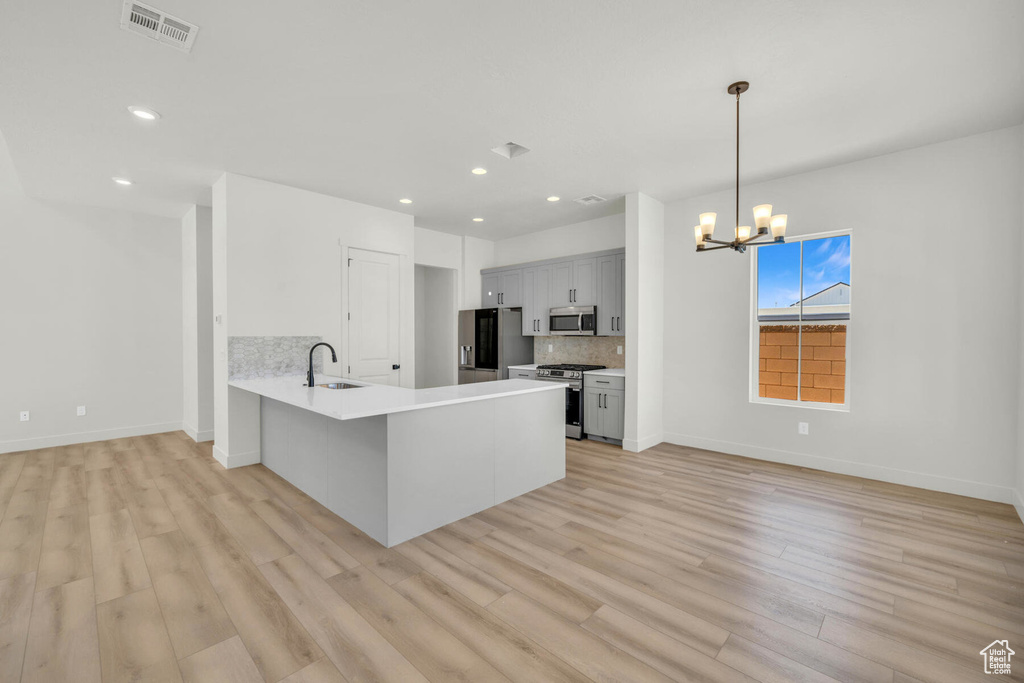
(490, 340)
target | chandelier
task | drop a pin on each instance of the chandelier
(764, 221)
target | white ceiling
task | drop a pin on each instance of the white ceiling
(373, 101)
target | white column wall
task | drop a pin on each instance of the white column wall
(645, 310)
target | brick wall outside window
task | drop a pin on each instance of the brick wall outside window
(822, 369)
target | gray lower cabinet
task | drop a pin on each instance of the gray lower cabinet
(521, 374)
(604, 408)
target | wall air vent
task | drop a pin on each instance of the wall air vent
(589, 200)
(159, 26)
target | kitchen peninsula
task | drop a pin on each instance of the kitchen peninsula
(396, 462)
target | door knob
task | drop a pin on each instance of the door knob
(396, 366)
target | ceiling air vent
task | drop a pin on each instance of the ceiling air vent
(510, 150)
(159, 26)
(589, 199)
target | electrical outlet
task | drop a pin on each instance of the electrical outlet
(551, 348)
(24, 416)
(618, 350)
(81, 411)
(803, 428)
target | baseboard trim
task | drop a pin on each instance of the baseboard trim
(641, 444)
(231, 460)
(1018, 502)
(932, 482)
(86, 437)
(196, 435)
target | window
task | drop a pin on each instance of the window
(801, 318)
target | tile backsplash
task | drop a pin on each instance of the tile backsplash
(254, 357)
(583, 350)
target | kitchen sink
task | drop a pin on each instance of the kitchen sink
(339, 385)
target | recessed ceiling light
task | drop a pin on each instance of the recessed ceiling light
(144, 114)
(405, 201)
(479, 171)
(478, 220)
(121, 181)
(553, 199)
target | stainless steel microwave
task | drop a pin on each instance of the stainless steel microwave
(573, 320)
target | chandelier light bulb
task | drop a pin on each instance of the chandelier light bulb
(778, 224)
(762, 216)
(698, 235)
(743, 232)
(707, 223)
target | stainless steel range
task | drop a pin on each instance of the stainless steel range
(572, 377)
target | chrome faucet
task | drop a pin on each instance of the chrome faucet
(334, 359)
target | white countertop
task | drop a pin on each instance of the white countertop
(532, 366)
(608, 372)
(379, 399)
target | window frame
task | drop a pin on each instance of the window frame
(755, 332)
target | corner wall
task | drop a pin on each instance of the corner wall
(645, 322)
(91, 316)
(934, 341)
(197, 322)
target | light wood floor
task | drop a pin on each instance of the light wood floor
(143, 560)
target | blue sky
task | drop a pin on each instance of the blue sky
(826, 262)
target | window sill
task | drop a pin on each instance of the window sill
(810, 405)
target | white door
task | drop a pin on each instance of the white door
(373, 326)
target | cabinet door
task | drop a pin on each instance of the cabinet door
(530, 314)
(511, 288)
(584, 282)
(489, 290)
(593, 413)
(608, 295)
(467, 376)
(560, 291)
(542, 300)
(620, 317)
(614, 413)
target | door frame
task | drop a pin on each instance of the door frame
(407, 366)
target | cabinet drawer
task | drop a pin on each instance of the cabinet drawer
(522, 374)
(604, 381)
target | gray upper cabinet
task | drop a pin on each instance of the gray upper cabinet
(611, 294)
(561, 284)
(502, 288)
(510, 287)
(489, 290)
(536, 296)
(586, 280)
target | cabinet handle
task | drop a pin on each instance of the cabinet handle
(601, 381)
(613, 322)
(574, 296)
(618, 325)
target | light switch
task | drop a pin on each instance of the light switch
(24, 416)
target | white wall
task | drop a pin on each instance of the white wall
(645, 327)
(1019, 493)
(278, 255)
(91, 315)
(566, 240)
(436, 327)
(934, 385)
(197, 322)
(477, 254)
